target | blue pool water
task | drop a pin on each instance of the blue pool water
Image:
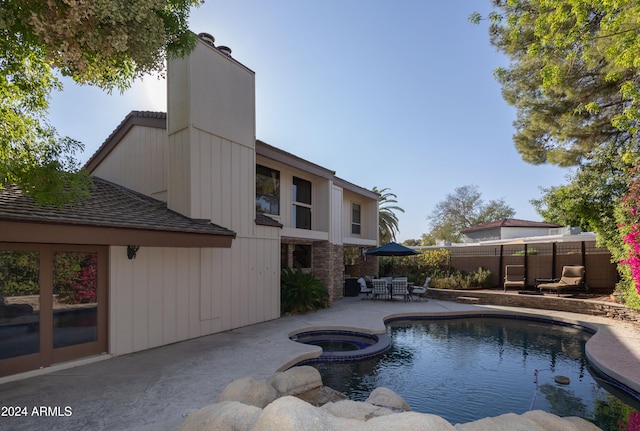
(466, 369)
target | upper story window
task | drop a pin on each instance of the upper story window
(355, 219)
(301, 203)
(267, 190)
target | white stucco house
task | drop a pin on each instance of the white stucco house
(508, 228)
(189, 224)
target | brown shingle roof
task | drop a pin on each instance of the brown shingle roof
(509, 222)
(110, 205)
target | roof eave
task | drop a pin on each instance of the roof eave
(67, 233)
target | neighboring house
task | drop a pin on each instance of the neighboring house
(508, 228)
(185, 234)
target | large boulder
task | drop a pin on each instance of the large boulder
(296, 380)
(536, 420)
(385, 397)
(292, 414)
(407, 421)
(356, 410)
(224, 416)
(552, 422)
(249, 390)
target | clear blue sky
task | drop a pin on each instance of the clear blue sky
(387, 94)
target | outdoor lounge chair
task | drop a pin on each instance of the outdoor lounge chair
(514, 276)
(380, 288)
(572, 277)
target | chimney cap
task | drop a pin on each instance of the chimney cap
(225, 50)
(206, 37)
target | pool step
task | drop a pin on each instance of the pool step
(468, 299)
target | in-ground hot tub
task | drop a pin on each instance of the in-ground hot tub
(343, 345)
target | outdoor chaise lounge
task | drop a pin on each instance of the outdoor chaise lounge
(514, 276)
(572, 277)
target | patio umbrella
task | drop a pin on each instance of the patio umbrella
(392, 249)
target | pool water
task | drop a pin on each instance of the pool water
(466, 369)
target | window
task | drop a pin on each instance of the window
(302, 256)
(267, 190)
(301, 203)
(355, 219)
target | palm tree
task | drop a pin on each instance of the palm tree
(388, 220)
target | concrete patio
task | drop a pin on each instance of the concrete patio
(155, 389)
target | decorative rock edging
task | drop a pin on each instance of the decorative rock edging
(248, 404)
(571, 305)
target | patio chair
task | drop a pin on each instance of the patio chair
(380, 288)
(364, 288)
(514, 276)
(420, 290)
(399, 288)
(572, 277)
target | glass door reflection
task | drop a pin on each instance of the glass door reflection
(19, 303)
(75, 298)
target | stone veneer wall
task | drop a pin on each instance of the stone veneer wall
(369, 266)
(571, 305)
(328, 267)
(363, 267)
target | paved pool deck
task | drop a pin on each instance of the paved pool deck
(156, 388)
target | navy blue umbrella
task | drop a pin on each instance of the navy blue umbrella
(392, 249)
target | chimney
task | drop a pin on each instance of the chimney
(211, 128)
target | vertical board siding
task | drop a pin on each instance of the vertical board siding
(337, 215)
(120, 302)
(155, 280)
(169, 286)
(140, 303)
(138, 162)
(179, 178)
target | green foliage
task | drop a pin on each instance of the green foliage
(589, 198)
(462, 209)
(387, 219)
(611, 407)
(351, 255)
(107, 44)
(418, 267)
(19, 273)
(572, 75)
(462, 280)
(301, 292)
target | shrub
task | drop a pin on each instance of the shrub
(462, 280)
(301, 292)
(416, 268)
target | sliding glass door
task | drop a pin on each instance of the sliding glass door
(52, 304)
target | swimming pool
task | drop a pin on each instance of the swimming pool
(465, 369)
